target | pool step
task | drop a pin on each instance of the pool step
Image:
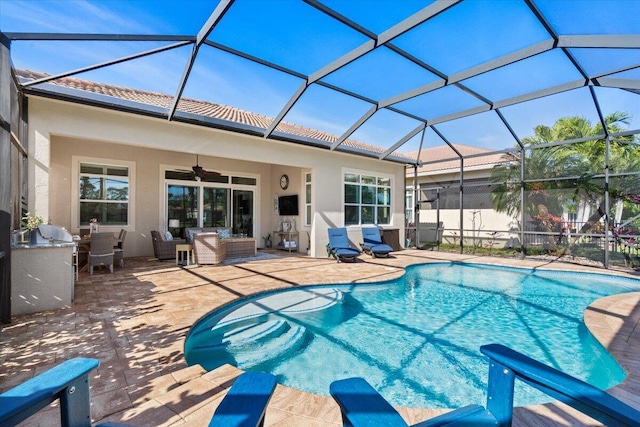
(291, 302)
(275, 347)
(249, 346)
(247, 334)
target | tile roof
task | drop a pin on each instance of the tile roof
(448, 159)
(198, 107)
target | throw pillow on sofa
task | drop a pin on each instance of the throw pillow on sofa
(191, 232)
(168, 236)
(224, 233)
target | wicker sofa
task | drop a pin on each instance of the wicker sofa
(209, 248)
(164, 249)
(189, 232)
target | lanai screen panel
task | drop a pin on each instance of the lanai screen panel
(328, 72)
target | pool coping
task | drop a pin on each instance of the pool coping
(602, 317)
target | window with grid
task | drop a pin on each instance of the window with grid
(367, 199)
(409, 206)
(103, 194)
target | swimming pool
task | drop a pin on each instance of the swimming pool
(415, 339)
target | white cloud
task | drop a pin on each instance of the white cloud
(57, 16)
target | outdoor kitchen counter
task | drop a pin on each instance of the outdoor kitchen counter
(41, 277)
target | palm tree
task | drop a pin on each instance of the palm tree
(582, 160)
(590, 158)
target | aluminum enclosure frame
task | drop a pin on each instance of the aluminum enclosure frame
(555, 41)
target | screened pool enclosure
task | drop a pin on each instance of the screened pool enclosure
(546, 92)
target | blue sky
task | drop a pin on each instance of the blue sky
(294, 35)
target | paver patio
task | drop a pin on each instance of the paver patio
(135, 322)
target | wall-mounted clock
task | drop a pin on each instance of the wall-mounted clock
(284, 182)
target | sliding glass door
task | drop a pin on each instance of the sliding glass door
(207, 204)
(183, 205)
(243, 212)
(215, 207)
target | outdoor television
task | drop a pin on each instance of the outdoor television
(288, 205)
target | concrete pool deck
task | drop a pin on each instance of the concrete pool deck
(135, 322)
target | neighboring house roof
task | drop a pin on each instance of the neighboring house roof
(446, 159)
(198, 107)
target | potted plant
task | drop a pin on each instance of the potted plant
(31, 223)
(267, 241)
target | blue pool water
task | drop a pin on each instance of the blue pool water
(415, 339)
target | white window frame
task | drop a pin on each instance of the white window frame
(377, 175)
(308, 206)
(75, 190)
(410, 206)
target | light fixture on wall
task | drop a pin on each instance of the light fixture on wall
(174, 223)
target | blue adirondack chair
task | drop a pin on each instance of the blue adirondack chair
(372, 243)
(246, 402)
(361, 405)
(244, 405)
(339, 246)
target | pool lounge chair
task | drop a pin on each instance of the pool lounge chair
(361, 405)
(339, 246)
(372, 243)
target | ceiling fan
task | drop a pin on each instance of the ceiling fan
(201, 173)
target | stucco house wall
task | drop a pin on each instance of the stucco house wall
(60, 130)
(479, 222)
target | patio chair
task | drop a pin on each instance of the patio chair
(67, 382)
(101, 252)
(245, 403)
(631, 259)
(430, 235)
(339, 246)
(164, 249)
(118, 249)
(361, 405)
(372, 243)
(209, 248)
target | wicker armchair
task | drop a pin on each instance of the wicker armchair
(164, 249)
(118, 249)
(101, 252)
(209, 248)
